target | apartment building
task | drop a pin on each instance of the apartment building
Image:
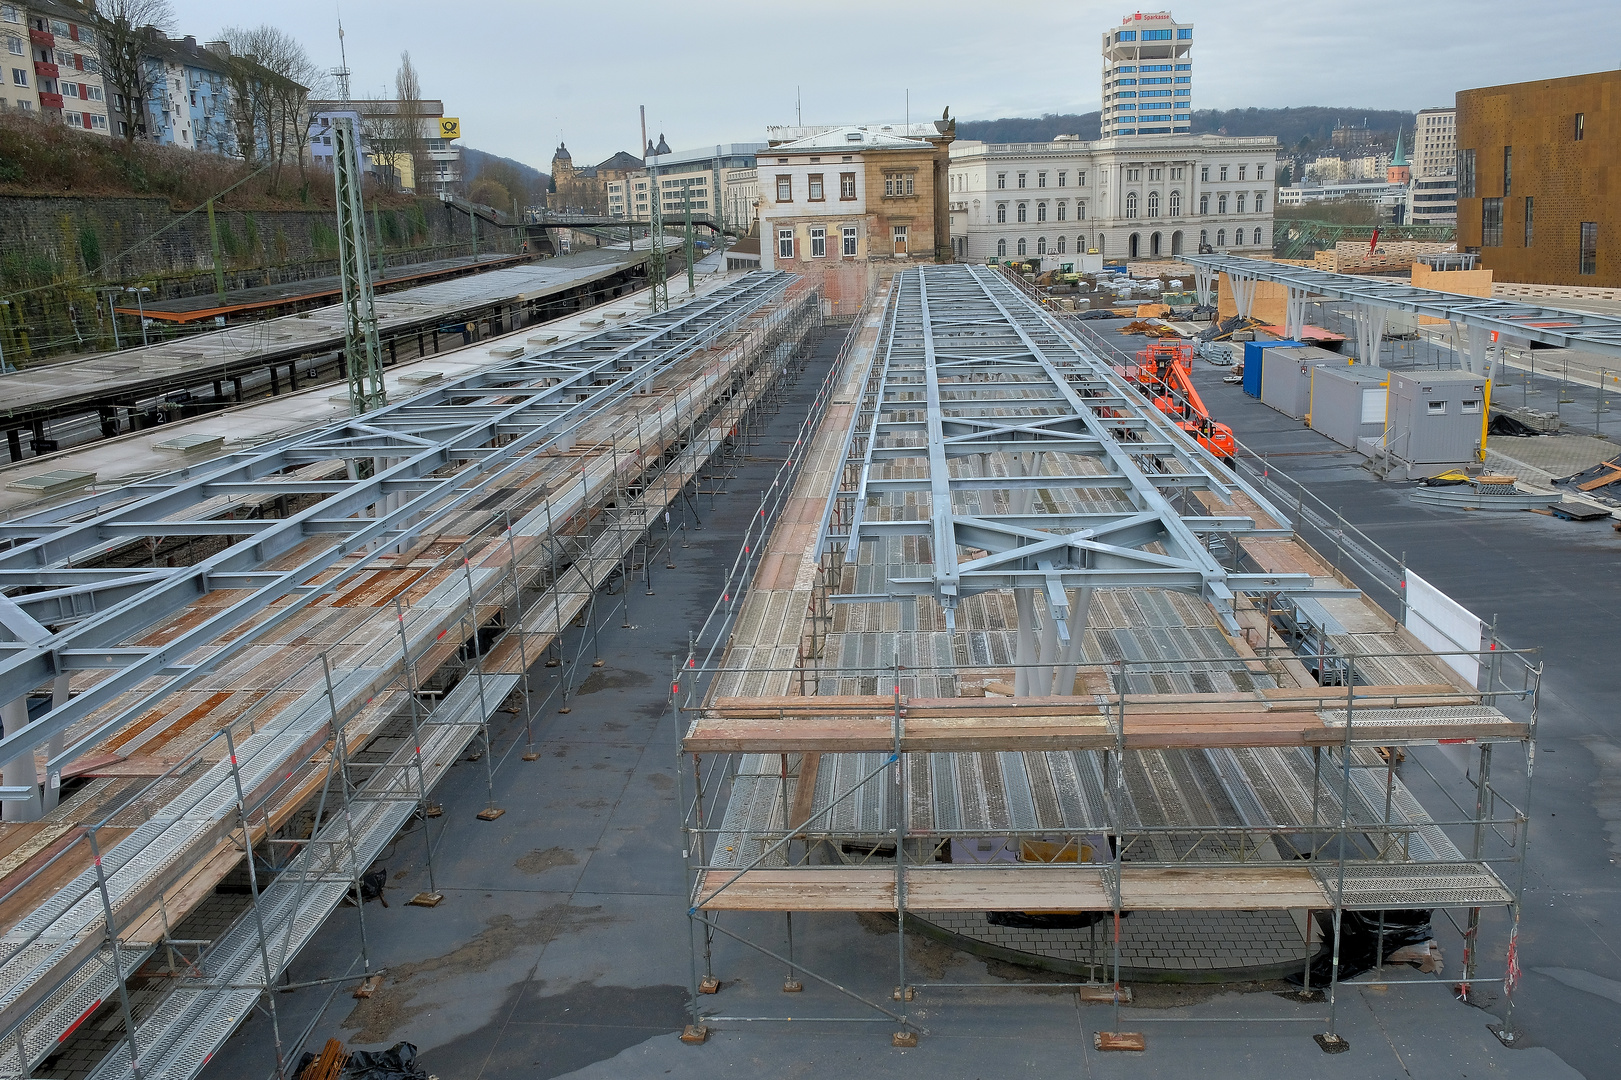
(1148, 76)
(1137, 197)
(850, 205)
(190, 102)
(53, 69)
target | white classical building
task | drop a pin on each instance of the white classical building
(1124, 198)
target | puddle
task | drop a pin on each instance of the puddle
(537, 861)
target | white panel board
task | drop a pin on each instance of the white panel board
(1373, 405)
(1443, 624)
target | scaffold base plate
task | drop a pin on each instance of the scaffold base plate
(1331, 1043)
(695, 1034)
(1120, 1040)
(426, 899)
(1105, 994)
(906, 1040)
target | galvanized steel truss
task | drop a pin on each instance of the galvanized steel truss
(971, 378)
(412, 464)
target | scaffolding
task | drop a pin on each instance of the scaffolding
(1034, 619)
(315, 694)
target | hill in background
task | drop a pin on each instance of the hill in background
(510, 179)
(1303, 130)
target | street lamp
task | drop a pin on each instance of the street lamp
(140, 306)
(112, 313)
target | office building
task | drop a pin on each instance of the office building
(695, 176)
(1148, 76)
(1539, 179)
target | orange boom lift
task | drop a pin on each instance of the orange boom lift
(1165, 372)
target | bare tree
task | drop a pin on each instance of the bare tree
(124, 29)
(271, 76)
(407, 136)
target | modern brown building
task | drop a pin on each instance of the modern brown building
(1539, 179)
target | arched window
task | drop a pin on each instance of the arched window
(1041, 211)
(1240, 202)
(1176, 204)
(1041, 245)
(1238, 237)
(1260, 202)
(1080, 211)
(1221, 238)
(1176, 243)
(1221, 203)
(1024, 211)
(1258, 242)
(1153, 204)
(1001, 213)
(1204, 238)
(1060, 245)
(1080, 245)
(1153, 244)
(1022, 249)
(1001, 248)
(1060, 210)
(1131, 204)
(1204, 204)
(1133, 243)
(1101, 246)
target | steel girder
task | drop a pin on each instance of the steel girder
(1559, 327)
(439, 449)
(980, 402)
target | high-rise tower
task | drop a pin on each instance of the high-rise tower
(1148, 76)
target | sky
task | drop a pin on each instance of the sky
(522, 74)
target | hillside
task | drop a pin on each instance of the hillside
(525, 182)
(1312, 123)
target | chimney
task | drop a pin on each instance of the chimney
(219, 48)
(191, 44)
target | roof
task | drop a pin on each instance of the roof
(562, 153)
(186, 52)
(707, 153)
(621, 160)
(866, 138)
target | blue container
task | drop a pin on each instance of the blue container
(1252, 363)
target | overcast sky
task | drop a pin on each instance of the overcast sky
(521, 73)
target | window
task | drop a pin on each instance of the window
(815, 194)
(1131, 204)
(1470, 406)
(1238, 237)
(1041, 179)
(1041, 211)
(70, 90)
(847, 186)
(1204, 204)
(1184, 34)
(1021, 179)
(1080, 211)
(1258, 171)
(1204, 174)
(1060, 210)
(1062, 177)
(9, 13)
(1001, 179)
(19, 77)
(1587, 257)
(1581, 122)
(1204, 238)
(1060, 245)
(1156, 35)
(1041, 245)
(1176, 201)
(1508, 171)
(1491, 223)
(98, 122)
(785, 243)
(1023, 211)
(1240, 198)
(785, 189)
(1080, 178)
(1223, 175)
(1242, 169)
(15, 44)
(1437, 408)
(1221, 203)
(1134, 174)
(1153, 204)
(1466, 174)
(60, 28)
(1021, 246)
(900, 239)
(1259, 199)
(818, 238)
(1528, 221)
(1258, 242)
(1221, 238)
(1001, 213)
(1001, 248)
(849, 241)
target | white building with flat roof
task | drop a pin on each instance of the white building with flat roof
(1434, 196)
(1123, 198)
(1148, 76)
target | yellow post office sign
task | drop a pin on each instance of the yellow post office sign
(450, 127)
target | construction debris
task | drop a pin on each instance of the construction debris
(1601, 482)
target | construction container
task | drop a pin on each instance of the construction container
(1252, 362)
(1286, 377)
(1348, 402)
(1436, 421)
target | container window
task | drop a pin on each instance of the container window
(1472, 406)
(1438, 408)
